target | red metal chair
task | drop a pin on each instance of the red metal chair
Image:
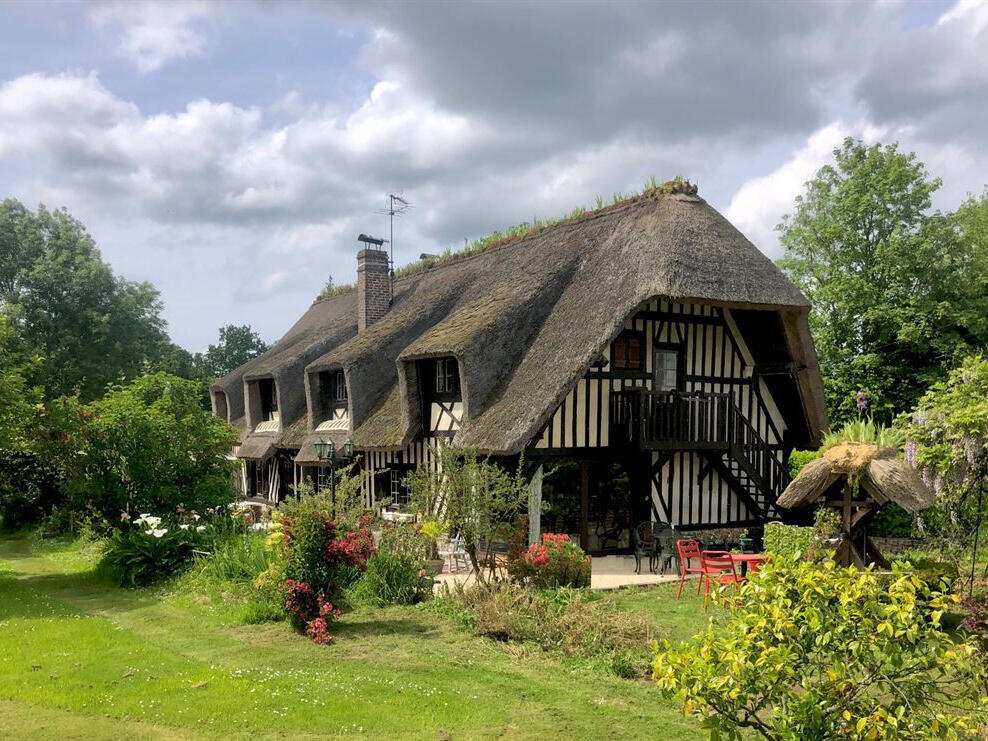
(688, 550)
(718, 567)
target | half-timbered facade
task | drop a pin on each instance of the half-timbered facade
(646, 360)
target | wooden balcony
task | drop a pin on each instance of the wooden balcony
(672, 420)
(675, 420)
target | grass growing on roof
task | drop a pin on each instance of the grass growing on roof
(516, 233)
(84, 659)
(864, 431)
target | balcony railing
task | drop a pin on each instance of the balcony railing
(642, 418)
(700, 421)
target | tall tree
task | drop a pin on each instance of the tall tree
(17, 398)
(894, 291)
(237, 345)
(64, 303)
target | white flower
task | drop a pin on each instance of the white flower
(200, 528)
(259, 526)
(195, 517)
(159, 533)
(183, 527)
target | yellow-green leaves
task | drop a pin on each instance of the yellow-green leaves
(815, 651)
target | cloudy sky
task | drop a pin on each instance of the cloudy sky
(231, 152)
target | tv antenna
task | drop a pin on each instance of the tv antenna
(397, 206)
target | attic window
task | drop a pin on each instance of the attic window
(269, 399)
(628, 351)
(332, 393)
(339, 386)
(447, 377)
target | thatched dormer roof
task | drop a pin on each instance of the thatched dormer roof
(526, 319)
(880, 472)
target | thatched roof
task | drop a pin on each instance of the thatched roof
(880, 472)
(525, 321)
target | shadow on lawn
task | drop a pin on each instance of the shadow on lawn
(355, 626)
(28, 590)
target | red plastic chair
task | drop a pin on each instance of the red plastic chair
(688, 550)
(718, 568)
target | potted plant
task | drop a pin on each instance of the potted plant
(433, 530)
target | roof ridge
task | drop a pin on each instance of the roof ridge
(679, 188)
(458, 258)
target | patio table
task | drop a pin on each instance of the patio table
(749, 558)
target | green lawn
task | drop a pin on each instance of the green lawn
(82, 659)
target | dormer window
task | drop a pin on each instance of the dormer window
(269, 399)
(447, 378)
(332, 393)
(628, 351)
(442, 398)
(339, 386)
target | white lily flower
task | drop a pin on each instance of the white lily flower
(195, 517)
(183, 527)
(159, 533)
(200, 528)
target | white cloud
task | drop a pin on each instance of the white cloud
(151, 34)
(759, 204)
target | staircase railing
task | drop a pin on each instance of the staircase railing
(761, 458)
(639, 416)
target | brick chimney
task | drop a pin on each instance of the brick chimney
(373, 287)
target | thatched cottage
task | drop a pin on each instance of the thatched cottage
(646, 358)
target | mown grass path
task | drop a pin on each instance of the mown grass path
(82, 659)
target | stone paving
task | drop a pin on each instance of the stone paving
(607, 572)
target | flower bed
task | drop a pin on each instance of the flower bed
(555, 562)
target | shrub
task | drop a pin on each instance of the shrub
(150, 447)
(321, 559)
(476, 498)
(236, 554)
(815, 651)
(555, 562)
(808, 542)
(151, 550)
(576, 623)
(395, 579)
(28, 488)
(892, 521)
(799, 458)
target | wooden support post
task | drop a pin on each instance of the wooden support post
(584, 505)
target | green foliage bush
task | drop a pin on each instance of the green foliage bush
(234, 554)
(815, 651)
(577, 623)
(149, 447)
(787, 540)
(892, 521)
(396, 574)
(555, 562)
(395, 579)
(29, 488)
(152, 549)
(799, 458)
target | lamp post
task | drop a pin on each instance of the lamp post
(326, 451)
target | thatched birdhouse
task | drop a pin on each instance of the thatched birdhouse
(858, 479)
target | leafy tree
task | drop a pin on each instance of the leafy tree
(897, 294)
(815, 652)
(150, 447)
(17, 398)
(476, 498)
(237, 345)
(948, 442)
(64, 303)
